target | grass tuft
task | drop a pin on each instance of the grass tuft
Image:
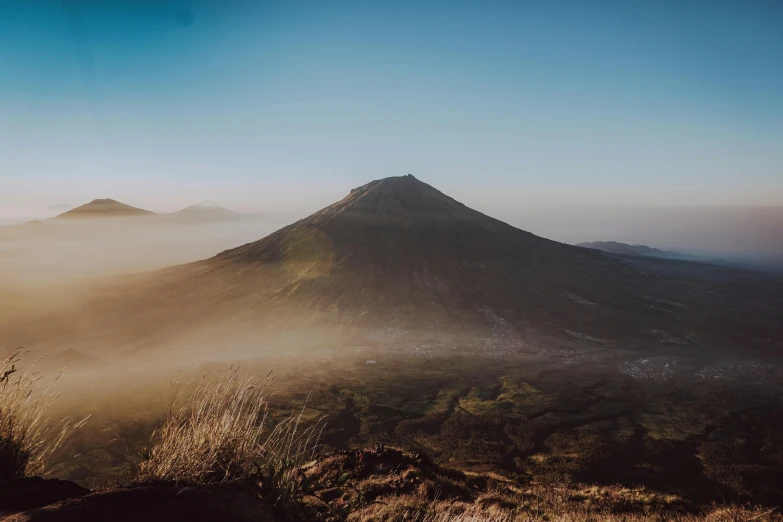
(218, 434)
(27, 439)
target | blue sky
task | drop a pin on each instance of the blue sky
(268, 106)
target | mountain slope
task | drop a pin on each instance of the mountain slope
(101, 208)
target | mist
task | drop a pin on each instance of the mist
(56, 252)
(60, 252)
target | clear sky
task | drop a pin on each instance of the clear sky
(267, 106)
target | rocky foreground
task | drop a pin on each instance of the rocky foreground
(362, 485)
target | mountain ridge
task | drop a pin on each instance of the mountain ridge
(616, 247)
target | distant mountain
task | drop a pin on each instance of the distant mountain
(100, 208)
(614, 247)
(204, 211)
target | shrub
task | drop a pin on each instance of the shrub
(218, 435)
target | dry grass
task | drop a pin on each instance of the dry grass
(419, 510)
(27, 439)
(218, 434)
(452, 513)
(553, 504)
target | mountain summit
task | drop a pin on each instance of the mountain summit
(403, 200)
(99, 208)
(394, 223)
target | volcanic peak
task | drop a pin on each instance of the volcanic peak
(104, 207)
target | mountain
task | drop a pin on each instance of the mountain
(400, 245)
(397, 255)
(100, 208)
(613, 247)
(204, 211)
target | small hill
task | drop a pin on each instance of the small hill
(104, 208)
(204, 211)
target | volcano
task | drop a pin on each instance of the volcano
(104, 208)
(400, 246)
(397, 253)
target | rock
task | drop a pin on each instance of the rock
(33, 492)
(163, 502)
